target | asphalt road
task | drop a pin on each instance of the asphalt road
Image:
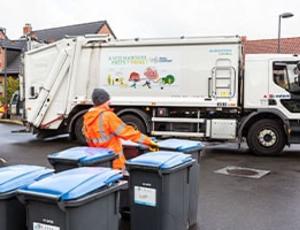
(225, 202)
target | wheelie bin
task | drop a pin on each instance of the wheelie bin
(12, 212)
(194, 148)
(130, 150)
(76, 199)
(159, 190)
(81, 156)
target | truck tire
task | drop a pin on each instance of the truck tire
(266, 137)
(78, 131)
(135, 121)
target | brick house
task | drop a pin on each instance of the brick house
(53, 34)
(13, 49)
(10, 57)
(287, 45)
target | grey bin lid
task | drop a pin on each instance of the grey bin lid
(129, 143)
(73, 184)
(18, 176)
(126, 143)
(83, 155)
(161, 160)
(181, 145)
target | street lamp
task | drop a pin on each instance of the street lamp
(283, 15)
(5, 83)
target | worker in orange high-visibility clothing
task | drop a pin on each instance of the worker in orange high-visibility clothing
(103, 128)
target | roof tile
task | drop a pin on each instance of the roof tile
(54, 34)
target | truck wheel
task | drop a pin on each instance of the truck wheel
(134, 121)
(266, 137)
(78, 131)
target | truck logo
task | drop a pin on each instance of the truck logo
(139, 71)
(285, 96)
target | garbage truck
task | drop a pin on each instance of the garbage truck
(198, 87)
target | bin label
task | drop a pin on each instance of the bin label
(145, 196)
(39, 226)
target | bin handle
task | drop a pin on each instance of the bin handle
(117, 201)
(62, 206)
(188, 175)
(41, 195)
(22, 199)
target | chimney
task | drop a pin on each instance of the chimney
(27, 29)
(2, 33)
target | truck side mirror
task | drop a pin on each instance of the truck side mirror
(297, 80)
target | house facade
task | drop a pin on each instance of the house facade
(11, 50)
(53, 34)
(10, 58)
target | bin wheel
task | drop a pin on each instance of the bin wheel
(266, 137)
(78, 131)
(134, 121)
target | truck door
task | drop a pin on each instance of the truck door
(223, 80)
(285, 86)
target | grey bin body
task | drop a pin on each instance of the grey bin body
(193, 148)
(100, 212)
(12, 212)
(124, 204)
(130, 150)
(80, 157)
(95, 208)
(159, 191)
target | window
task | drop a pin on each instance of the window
(281, 78)
(286, 75)
(292, 105)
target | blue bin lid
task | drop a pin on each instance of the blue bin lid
(74, 183)
(162, 160)
(18, 176)
(181, 145)
(83, 155)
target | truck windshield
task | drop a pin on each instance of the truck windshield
(285, 75)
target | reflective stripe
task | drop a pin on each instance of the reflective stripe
(103, 136)
(92, 140)
(96, 140)
(120, 129)
(142, 139)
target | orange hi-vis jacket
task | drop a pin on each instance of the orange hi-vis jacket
(103, 128)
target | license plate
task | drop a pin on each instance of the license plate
(39, 226)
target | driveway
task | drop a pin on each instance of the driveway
(225, 202)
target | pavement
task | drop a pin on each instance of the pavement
(225, 202)
(11, 121)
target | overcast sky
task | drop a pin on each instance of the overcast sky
(157, 18)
